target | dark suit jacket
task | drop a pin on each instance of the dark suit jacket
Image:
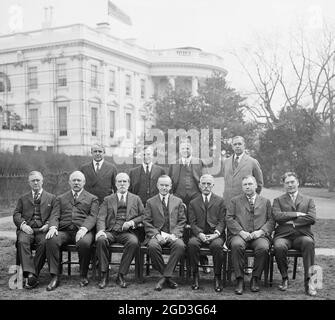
(285, 210)
(83, 213)
(215, 215)
(25, 208)
(198, 169)
(240, 218)
(154, 216)
(101, 184)
(108, 210)
(233, 179)
(135, 179)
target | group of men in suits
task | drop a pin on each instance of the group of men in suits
(107, 207)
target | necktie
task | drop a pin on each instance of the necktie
(75, 197)
(163, 201)
(293, 198)
(235, 162)
(122, 200)
(97, 167)
(206, 202)
(251, 204)
(147, 169)
(36, 194)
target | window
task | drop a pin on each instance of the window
(33, 118)
(94, 120)
(128, 124)
(112, 123)
(62, 118)
(61, 75)
(94, 76)
(142, 89)
(32, 77)
(111, 81)
(4, 83)
(128, 85)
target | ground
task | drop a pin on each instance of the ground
(324, 231)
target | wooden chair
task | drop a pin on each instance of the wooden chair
(292, 253)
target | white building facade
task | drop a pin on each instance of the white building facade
(63, 89)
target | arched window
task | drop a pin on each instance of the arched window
(4, 83)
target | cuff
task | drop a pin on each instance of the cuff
(24, 222)
(84, 228)
(217, 232)
(133, 223)
(53, 227)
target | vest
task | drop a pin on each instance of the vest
(166, 225)
(120, 218)
(36, 220)
(186, 184)
(144, 189)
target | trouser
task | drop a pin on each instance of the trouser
(155, 252)
(131, 247)
(28, 262)
(261, 251)
(215, 247)
(303, 243)
(83, 246)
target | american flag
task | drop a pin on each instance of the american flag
(116, 13)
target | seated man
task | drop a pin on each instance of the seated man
(294, 214)
(118, 215)
(207, 219)
(164, 222)
(31, 219)
(71, 222)
(250, 224)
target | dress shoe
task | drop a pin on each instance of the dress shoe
(309, 289)
(171, 284)
(217, 284)
(103, 282)
(83, 282)
(195, 285)
(53, 284)
(284, 285)
(254, 287)
(120, 281)
(31, 281)
(239, 286)
(160, 284)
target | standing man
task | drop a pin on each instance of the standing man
(294, 214)
(185, 176)
(71, 222)
(119, 214)
(238, 166)
(164, 222)
(249, 224)
(99, 174)
(143, 178)
(31, 219)
(207, 219)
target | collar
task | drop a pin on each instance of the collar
(253, 198)
(78, 193)
(145, 166)
(166, 197)
(239, 156)
(208, 197)
(186, 160)
(39, 192)
(100, 163)
(120, 194)
(293, 194)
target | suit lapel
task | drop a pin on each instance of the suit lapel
(240, 164)
(154, 172)
(211, 201)
(298, 200)
(129, 202)
(246, 203)
(258, 202)
(289, 201)
(44, 203)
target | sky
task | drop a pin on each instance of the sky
(216, 26)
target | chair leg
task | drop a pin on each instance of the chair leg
(229, 268)
(271, 268)
(141, 265)
(69, 263)
(60, 267)
(295, 267)
(266, 271)
(224, 270)
(182, 267)
(147, 264)
(94, 263)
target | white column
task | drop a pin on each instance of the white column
(172, 82)
(195, 84)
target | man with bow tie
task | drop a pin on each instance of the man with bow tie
(31, 217)
(119, 215)
(164, 222)
(294, 214)
(71, 222)
(99, 174)
(207, 219)
(250, 224)
(143, 178)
